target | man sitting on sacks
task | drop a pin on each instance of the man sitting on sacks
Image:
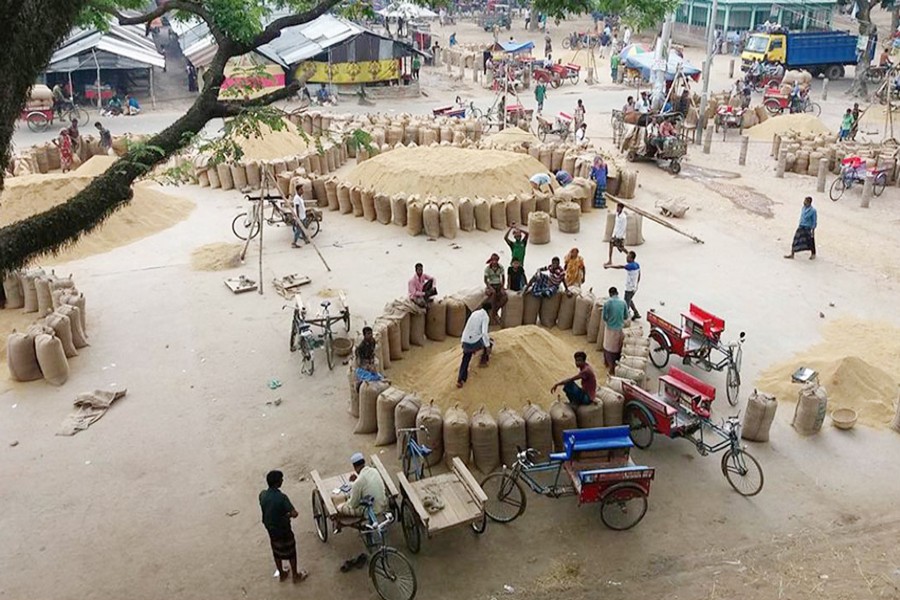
(422, 288)
(545, 283)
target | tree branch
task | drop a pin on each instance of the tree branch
(184, 5)
(275, 27)
(233, 108)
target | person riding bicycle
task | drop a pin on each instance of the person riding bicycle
(796, 98)
(60, 101)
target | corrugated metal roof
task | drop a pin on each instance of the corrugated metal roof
(299, 43)
(126, 41)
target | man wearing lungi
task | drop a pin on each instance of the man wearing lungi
(805, 236)
(277, 512)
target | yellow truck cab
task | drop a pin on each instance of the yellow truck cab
(764, 47)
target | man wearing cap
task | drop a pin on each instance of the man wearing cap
(475, 337)
(366, 483)
(277, 512)
(494, 280)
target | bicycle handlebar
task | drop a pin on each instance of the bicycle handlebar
(381, 525)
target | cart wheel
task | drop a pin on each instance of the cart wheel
(313, 228)
(392, 575)
(37, 121)
(243, 226)
(733, 385)
(480, 524)
(659, 352)
(555, 82)
(641, 428)
(505, 497)
(566, 44)
(773, 107)
(743, 472)
(307, 360)
(675, 166)
(814, 108)
(542, 134)
(319, 516)
(410, 522)
(838, 186)
(879, 184)
(631, 156)
(623, 506)
(576, 78)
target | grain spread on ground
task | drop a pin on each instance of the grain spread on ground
(95, 165)
(512, 136)
(447, 171)
(854, 360)
(799, 123)
(273, 144)
(525, 362)
(216, 257)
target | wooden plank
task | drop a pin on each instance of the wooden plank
(388, 482)
(343, 298)
(413, 497)
(459, 507)
(466, 477)
(330, 510)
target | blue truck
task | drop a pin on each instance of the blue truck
(819, 52)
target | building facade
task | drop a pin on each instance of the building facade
(693, 16)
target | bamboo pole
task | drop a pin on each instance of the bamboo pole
(652, 217)
(308, 237)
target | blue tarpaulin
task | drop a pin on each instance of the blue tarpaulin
(644, 62)
(516, 47)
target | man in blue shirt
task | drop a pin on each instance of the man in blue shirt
(598, 173)
(632, 279)
(615, 311)
(805, 236)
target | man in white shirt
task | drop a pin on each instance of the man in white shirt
(366, 482)
(643, 105)
(632, 280)
(299, 217)
(474, 338)
(617, 239)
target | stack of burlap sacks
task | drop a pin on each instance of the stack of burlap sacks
(43, 350)
(44, 158)
(752, 116)
(805, 150)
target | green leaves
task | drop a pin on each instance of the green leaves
(639, 14)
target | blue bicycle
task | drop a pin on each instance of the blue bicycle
(415, 455)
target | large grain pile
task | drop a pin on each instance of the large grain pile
(447, 171)
(854, 360)
(218, 256)
(95, 165)
(512, 136)
(525, 363)
(799, 123)
(273, 144)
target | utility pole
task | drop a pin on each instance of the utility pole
(704, 96)
(661, 61)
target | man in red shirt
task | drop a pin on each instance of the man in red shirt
(588, 390)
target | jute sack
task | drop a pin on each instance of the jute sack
(331, 194)
(405, 414)
(513, 210)
(809, 414)
(531, 306)
(62, 328)
(589, 415)
(512, 435)
(368, 199)
(456, 316)
(213, 174)
(615, 383)
(21, 357)
(527, 205)
(382, 342)
(566, 315)
(613, 406)
(436, 321)
(485, 441)
(539, 228)
(583, 305)
(395, 339)
(44, 299)
(356, 201)
(414, 221)
(635, 375)
(368, 406)
(254, 175)
(77, 300)
(636, 350)
(538, 430)
(29, 291)
(466, 215)
(562, 418)
(595, 321)
(12, 290)
(431, 220)
(430, 418)
(758, 416)
(52, 359)
(226, 182)
(456, 435)
(319, 192)
(386, 405)
(635, 362)
(343, 196)
(498, 213)
(550, 309)
(568, 217)
(633, 331)
(383, 209)
(512, 312)
(398, 210)
(404, 320)
(542, 202)
(482, 211)
(417, 328)
(353, 407)
(449, 218)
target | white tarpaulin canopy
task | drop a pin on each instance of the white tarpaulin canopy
(121, 47)
(406, 10)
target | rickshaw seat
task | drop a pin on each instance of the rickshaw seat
(576, 441)
(688, 384)
(712, 325)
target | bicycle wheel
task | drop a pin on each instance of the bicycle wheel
(837, 189)
(313, 228)
(743, 472)
(566, 44)
(476, 113)
(773, 107)
(329, 349)
(410, 523)
(319, 517)
(392, 575)
(243, 225)
(37, 121)
(640, 427)
(415, 465)
(505, 497)
(814, 108)
(307, 360)
(733, 385)
(879, 183)
(659, 352)
(542, 134)
(623, 506)
(77, 113)
(295, 335)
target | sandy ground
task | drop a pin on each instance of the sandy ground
(162, 491)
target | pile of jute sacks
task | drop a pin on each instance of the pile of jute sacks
(43, 350)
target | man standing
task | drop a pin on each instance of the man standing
(299, 217)
(277, 512)
(475, 337)
(805, 236)
(632, 279)
(416, 65)
(598, 173)
(579, 114)
(614, 66)
(517, 244)
(588, 390)
(548, 48)
(422, 288)
(540, 93)
(614, 313)
(494, 280)
(105, 138)
(617, 239)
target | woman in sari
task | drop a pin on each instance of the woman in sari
(64, 144)
(574, 265)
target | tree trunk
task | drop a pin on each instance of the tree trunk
(31, 29)
(895, 18)
(859, 87)
(533, 23)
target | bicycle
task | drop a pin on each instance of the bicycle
(415, 455)
(38, 120)
(391, 573)
(248, 224)
(850, 175)
(305, 341)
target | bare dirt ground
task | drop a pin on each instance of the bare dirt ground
(158, 499)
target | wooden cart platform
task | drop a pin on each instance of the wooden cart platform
(462, 499)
